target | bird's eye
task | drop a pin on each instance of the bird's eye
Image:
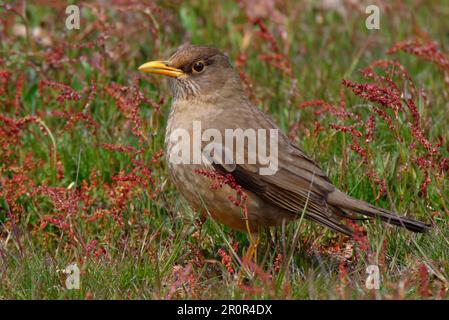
(198, 66)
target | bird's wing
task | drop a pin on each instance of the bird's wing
(298, 184)
(291, 193)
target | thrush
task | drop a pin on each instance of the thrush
(208, 92)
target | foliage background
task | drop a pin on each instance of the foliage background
(82, 172)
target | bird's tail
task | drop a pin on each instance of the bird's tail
(341, 200)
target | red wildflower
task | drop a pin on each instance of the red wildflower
(226, 260)
(278, 263)
(423, 48)
(424, 281)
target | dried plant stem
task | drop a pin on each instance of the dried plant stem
(53, 141)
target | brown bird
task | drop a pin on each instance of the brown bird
(207, 91)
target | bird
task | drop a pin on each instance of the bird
(207, 90)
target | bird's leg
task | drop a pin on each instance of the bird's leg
(247, 261)
(199, 223)
(273, 238)
(203, 218)
(252, 249)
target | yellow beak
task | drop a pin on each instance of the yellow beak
(160, 67)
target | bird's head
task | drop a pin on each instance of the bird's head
(196, 71)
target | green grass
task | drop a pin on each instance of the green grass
(147, 244)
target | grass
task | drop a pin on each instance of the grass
(83, 179)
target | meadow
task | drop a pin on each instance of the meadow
(83, 177)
